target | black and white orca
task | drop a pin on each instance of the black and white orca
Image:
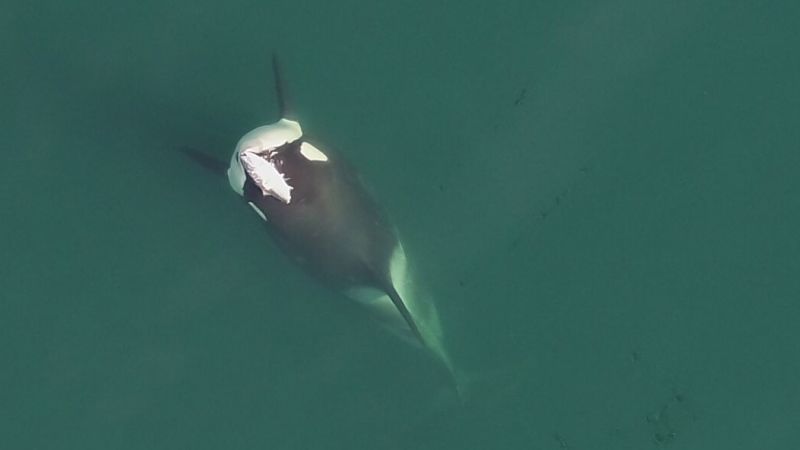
(318, 212)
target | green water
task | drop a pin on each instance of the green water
(603, 196)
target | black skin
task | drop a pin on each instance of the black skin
(331, 226)
(331, 223)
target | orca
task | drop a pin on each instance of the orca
(318, 212)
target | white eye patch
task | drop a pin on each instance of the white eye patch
(312, 153)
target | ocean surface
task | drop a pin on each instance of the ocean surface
(603, 198)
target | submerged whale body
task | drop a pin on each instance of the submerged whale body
(318, 212)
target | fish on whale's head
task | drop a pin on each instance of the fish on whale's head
(255, 155)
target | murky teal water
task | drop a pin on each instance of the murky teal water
(602, 196)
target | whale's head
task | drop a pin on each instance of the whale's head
(254, 154)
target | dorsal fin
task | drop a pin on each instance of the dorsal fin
(409, 319)
(283, 108)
